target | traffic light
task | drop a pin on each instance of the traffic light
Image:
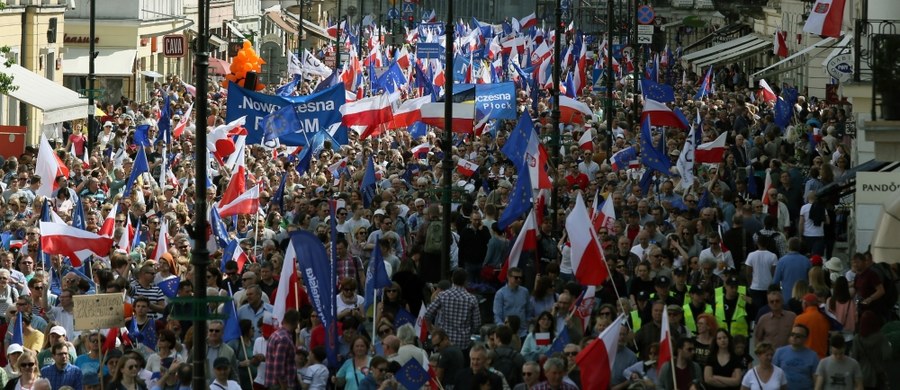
(410, 19)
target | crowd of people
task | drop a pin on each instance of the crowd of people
(754, 293)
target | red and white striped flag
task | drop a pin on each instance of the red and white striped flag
(825, 18)
(246, 203)
(780, 42)
(65, 240)
(665, 343)
(527, 240)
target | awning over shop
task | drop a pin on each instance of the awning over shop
(730, 29)
(729, 52)
(768, 71)
(691, 57)
(316, 30)
(187, 24)
(217, 41)
(109, 62)
(58, 103)
(842, 47)
(151, 74)
(846, 184)
(277, 18)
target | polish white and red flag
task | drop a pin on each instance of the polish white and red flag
(606, 217)
(421, 150)
(526, 241)
(586, 141)
(466, 167)
(766, 187)
(246, 203)
(587, 257)
(528, 22)
(597, 359)
(61, 239)
(109, 224)
(409, 112)
(665, 343)
(49, 167)
(369, 112)
(179, 128)
(780, 43)
(162, 244)
(825, 18)
(711, 152)
(768, 94)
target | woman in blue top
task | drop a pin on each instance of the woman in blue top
(540, 338)
(356, 367)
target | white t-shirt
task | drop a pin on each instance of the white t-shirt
(230, 385)
(316, 376)
(809, 228)
(752, 381)
(762, 262)
(259, 348)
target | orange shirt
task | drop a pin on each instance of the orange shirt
(818, 330)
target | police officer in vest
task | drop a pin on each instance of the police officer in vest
(662, 284)
(731, 307)
(696, 306)
(679, 289)
(641, 310)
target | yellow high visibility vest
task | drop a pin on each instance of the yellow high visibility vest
(635, 320)
(738, 318)
(689, 321)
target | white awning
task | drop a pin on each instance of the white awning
(58, 103)
(690, 57)
(235, 30)
(109, 62)
(794, 56)
(151, 74)
(734, 53)
(316, 30)
(218, 42)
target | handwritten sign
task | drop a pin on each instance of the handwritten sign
(99, 311)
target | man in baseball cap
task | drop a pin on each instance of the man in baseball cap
(57, 335)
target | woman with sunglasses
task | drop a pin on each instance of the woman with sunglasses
(125, 376)
(28, 372)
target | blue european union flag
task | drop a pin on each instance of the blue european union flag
(367, 187)
(329, 82)
(412, 375)
(657, 91)
(17, 331)
(169, 286)
(280, 122)
(417, 130)
(790, 94)
(278, 197)
(646, 181)
(78, 220)
(404, 317)
(140, 167)
(783, 113)
(650, 155)
(141, 135)
(305, 160)
(289, 88)
(376, 275)
(560, 342)
(519, 200)
(389, 80)
(232, 329)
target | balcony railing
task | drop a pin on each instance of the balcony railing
(877, 48)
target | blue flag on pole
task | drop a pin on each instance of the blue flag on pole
(367, 187)
(17, 331)
(783, 113)
(519, 201)
(278, 197)
(376, 275)
(232, 329)
(78, 220)
(306, 249)
(650, 156)
(141, 135)
(706, 86)
(169, 286)
(289, 88)
(305, 160)
(560, 342)
(165, 121)
(140, 167)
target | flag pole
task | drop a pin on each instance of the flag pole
(244, 347)
(99, 371)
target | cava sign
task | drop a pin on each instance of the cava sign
(173, 46)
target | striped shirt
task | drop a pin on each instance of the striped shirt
(153, 293)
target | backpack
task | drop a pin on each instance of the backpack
(505, 363)
(433, 237)
(889, 298)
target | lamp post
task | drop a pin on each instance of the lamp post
(199, 254)
(447, 148)
(92, 77)
(609, 80)
(555, 116)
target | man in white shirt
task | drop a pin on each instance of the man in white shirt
(588, 166)
(715, 254)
